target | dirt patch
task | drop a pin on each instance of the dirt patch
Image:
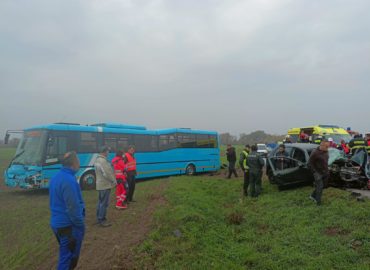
(235, 218)
(112, 247)
(262, 229)
(335, 231)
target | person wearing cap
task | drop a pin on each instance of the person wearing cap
(332, 144)
(105, 181)
(287, 139)
(67, 211)
(357, 143)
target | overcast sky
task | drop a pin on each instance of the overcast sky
(230, 65)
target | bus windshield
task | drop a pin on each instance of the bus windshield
(30, 148)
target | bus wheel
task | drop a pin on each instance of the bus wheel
(190, 170)
(88, 181)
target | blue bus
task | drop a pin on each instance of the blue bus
(159, 153)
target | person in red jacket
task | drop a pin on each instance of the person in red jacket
(120, 172)
(344, 147)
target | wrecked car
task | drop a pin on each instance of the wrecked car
(293, 169)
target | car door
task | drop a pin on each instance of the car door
(297, 171)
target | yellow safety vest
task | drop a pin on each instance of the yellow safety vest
(245, 160)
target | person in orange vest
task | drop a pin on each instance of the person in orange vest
(119, 171)
(130, 162)
(344, 147)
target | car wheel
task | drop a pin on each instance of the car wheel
(88, 181)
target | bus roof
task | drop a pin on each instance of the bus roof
(118, 128)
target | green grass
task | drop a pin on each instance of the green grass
(280, 230)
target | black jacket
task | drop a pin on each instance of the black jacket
(231, 154)
(319, 161)
(255, 162)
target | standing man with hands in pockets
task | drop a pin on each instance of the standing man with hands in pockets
(105, 181)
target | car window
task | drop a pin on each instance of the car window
(299, 154)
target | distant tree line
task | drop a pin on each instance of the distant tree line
(258, 136)
(13, 142)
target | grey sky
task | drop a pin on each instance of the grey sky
(234, 66)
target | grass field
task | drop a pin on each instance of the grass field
(199, 222)
(208, 225)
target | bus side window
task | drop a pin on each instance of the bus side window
(123, 141)
(111, 141)
(213, 141)
(56, 147)
(206, 141)
(186, 140)
(145, 143)
(163, 142)
(88, 143)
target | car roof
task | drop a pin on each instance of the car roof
(305, 146)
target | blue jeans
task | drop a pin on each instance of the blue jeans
(103, 203)
(70, 241)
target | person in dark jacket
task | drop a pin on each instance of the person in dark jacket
(282, 158)
(231, 158)
(356, 143)
(255, 163)
(319, 165)
(67, 212)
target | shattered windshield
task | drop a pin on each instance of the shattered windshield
(359, 157)
(335, 154)
(30, 148)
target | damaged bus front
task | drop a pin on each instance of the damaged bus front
(25, 169)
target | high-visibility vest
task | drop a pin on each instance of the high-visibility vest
(245, 160)
(131, 162)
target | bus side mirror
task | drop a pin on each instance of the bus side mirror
(6, 140)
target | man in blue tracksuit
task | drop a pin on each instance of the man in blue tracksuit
(67, 212)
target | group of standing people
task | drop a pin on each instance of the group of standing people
(120, 174)
(251, 164)
(67, 207)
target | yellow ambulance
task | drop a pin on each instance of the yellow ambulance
(327, 131)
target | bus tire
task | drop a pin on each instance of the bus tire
(88, 181)
(190, 170)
